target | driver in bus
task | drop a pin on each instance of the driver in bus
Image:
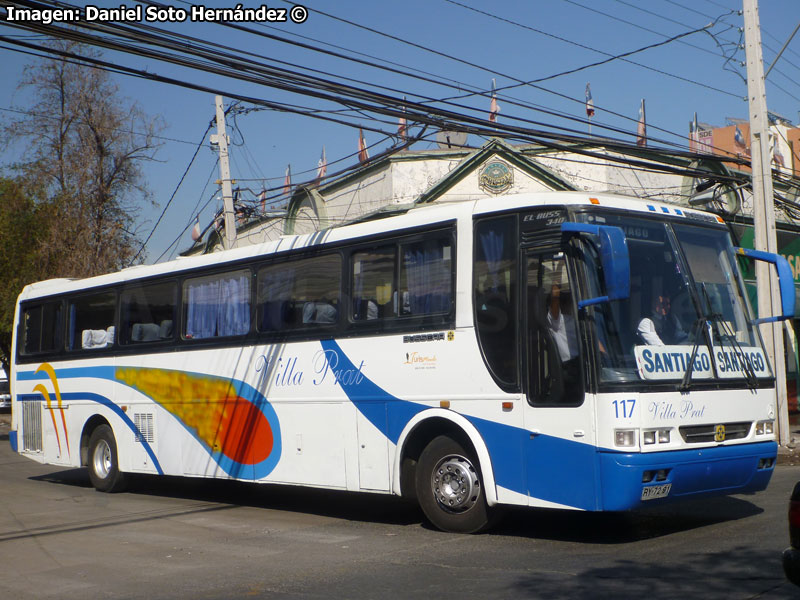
(661, 328)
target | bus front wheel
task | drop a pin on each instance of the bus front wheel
(103, 461)
(450, 489)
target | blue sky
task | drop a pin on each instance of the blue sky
(530, 40)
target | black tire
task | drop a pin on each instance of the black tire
(450, 487)
(103, 461)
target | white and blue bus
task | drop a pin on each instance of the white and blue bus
(557, 350)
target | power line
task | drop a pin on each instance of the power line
(585, 47)
(439, 117)
(175, 191)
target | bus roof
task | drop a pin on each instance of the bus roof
(419, 215)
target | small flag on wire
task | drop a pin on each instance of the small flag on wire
(322, 165)
(494, 108)
(777, 156)
(694, 135)
(589, 102)
(196, 229)
(738, 138)
(402, 125)
(287, 180)
(641, 130)
(363, 153)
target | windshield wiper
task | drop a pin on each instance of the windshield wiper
(686, 382)
(725, 332)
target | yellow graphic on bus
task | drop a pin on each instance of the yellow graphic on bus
(210, 407)
(39, 387)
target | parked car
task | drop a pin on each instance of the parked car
(5, 394)
(791, 556)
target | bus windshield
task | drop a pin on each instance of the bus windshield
(686, 318)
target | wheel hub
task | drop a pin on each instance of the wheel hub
(102, 459)
(455, 484)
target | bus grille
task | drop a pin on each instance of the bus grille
(700, 434)
(31, 426)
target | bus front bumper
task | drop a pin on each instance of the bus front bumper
(634, 480)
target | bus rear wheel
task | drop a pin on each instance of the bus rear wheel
(103, 461)
(450, 488)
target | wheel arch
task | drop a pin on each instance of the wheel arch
(91, 424)
(420, 430)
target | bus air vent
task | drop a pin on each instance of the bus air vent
(144, 427)
(702, 434)
(31, 426)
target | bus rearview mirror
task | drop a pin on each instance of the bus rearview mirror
(614, 258)
(785, 281)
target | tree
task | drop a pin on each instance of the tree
(71, 210)
(86, 146)
(21, 228)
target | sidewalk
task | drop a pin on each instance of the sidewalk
(790, 454)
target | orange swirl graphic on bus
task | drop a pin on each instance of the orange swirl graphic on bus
(39, 387)
(211, 408)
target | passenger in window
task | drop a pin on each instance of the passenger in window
(661, 328)
(563, 329)
(562, 324)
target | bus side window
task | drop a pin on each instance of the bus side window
(495, 297)
(42, 329)
(426, 277)
(91, 321)
(217, 305)
(299, 294)
(372, 280)
(147, 313)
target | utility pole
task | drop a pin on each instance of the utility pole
(221, 140)
(769, 302)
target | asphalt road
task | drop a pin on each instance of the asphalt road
(183, 538)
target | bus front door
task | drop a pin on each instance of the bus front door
(560, 452)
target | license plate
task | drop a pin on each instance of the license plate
(656, 491)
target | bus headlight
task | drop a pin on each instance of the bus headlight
(765, 427)
(652, 436)
(625, 438)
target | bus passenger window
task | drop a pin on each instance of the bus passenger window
(495, 296)
(91, 322)
(217, 305)
(299, 294)
(372, 273)
(426, 277)
(43, 329)
(147, 313)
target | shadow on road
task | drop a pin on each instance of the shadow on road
(558, 525)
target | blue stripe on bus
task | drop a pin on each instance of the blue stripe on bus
(567, 472)
(558, 470)
(95, 372)
(390, 415)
